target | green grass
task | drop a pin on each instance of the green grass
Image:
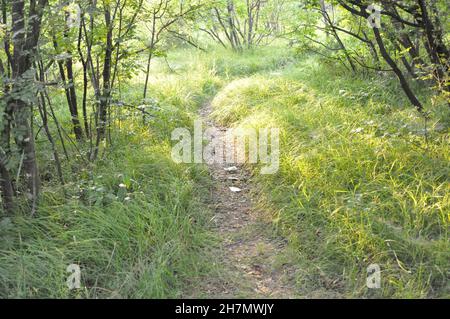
(358, 184)
(134, 222)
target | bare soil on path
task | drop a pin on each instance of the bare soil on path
(251, 258)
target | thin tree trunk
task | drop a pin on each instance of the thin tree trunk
(330, 23)
(64, 66)
(6, 183)
(102, 114)
(438, 52)
(85, 77)
(403, 82)
(150, 54)
(44, 117)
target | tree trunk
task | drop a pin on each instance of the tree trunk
(25, 39)
(403, 82)
(438, 52)
(102, 113)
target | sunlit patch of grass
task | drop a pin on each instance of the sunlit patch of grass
(361, 181)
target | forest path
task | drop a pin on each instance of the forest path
(252, 260)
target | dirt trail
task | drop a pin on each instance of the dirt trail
(251, 256)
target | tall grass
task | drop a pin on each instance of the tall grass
(134, 221)
(362, 180)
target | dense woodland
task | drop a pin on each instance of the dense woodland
(91, 90)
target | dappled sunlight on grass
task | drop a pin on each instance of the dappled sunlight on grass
(353, 189)
(361, 181)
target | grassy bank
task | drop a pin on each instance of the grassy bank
(362, 179)
(135, 222)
